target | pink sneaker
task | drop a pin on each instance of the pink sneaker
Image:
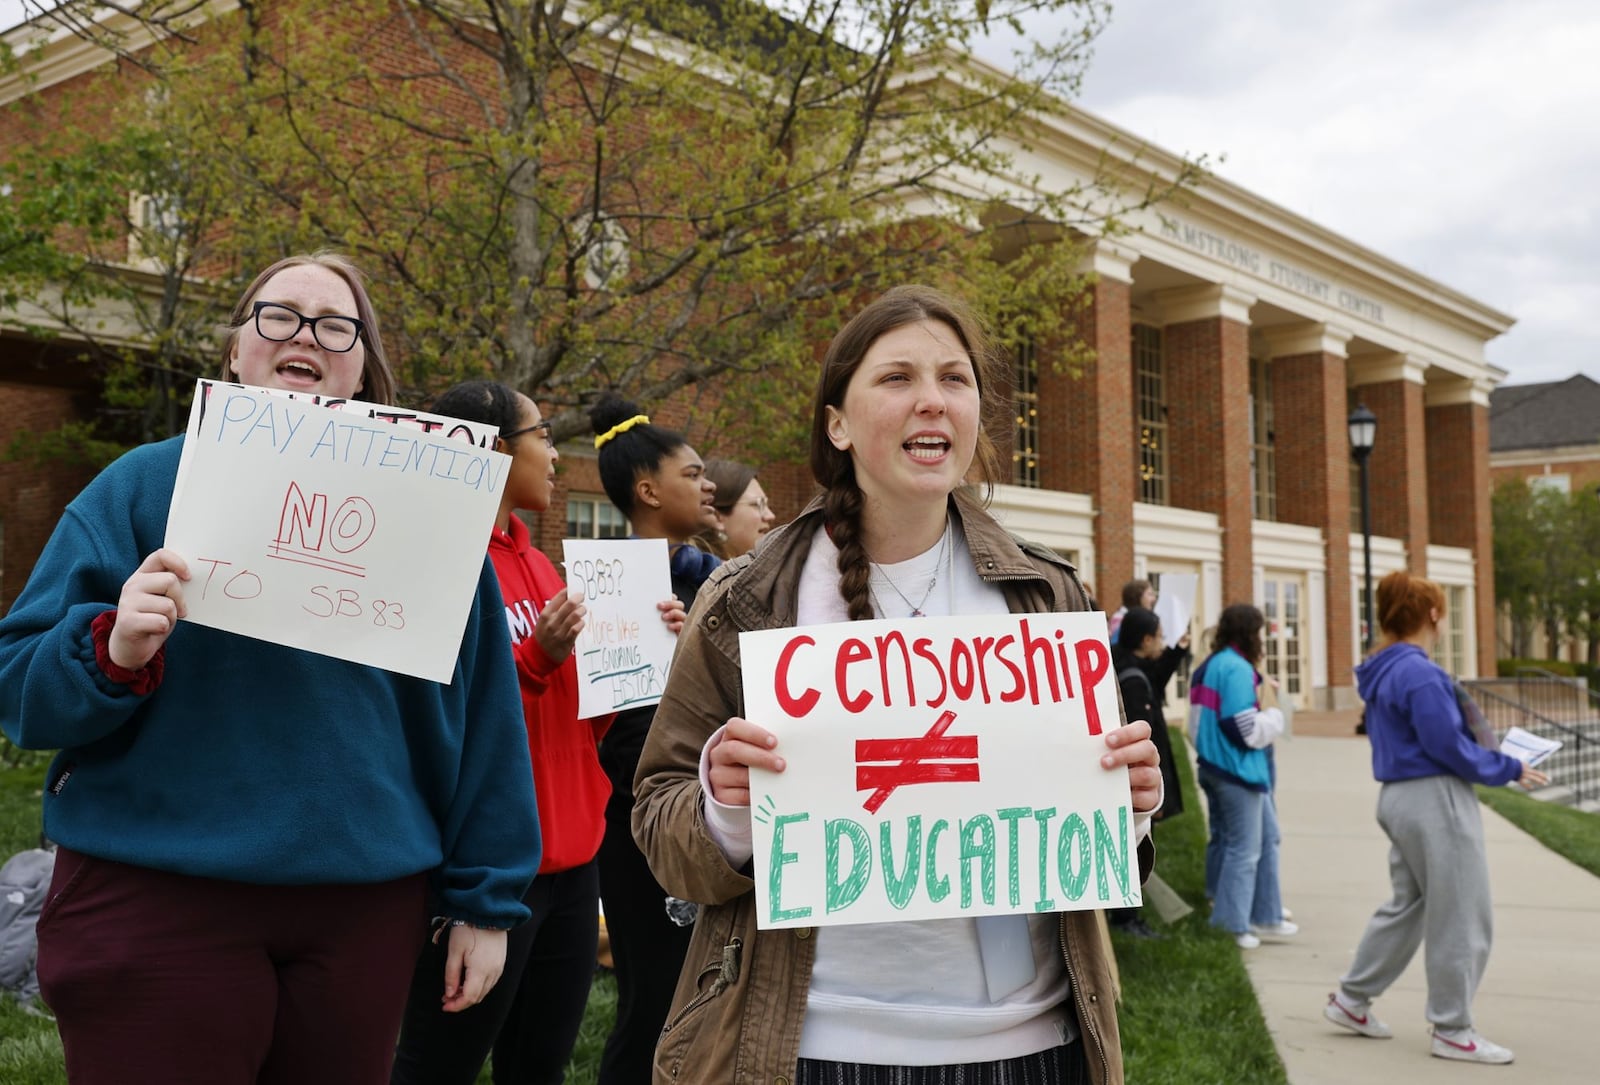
(1367, 1024)
(1468, 1045)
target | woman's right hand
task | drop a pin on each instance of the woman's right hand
(560, 622)
(1532, 777)
(148, 610)
(743, 745)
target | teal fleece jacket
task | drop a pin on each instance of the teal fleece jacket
(256, 762)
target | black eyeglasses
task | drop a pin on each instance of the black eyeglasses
(279, 323)
(541, 428)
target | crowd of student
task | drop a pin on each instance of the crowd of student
(255, 841)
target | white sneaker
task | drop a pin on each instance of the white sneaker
(1246, 940)
(1271, 931)
(1469, 1046)
(1367, 1024)
(1285, 913)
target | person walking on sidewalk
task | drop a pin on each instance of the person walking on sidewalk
(1427, 759)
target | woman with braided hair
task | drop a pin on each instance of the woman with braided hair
(897, 426)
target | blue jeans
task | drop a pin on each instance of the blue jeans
(1241, 855)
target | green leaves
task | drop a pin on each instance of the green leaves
(641, 196)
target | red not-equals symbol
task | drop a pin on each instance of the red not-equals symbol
(925, 760)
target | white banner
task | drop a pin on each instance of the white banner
(625, 650)
(937, 767)
(348, 529)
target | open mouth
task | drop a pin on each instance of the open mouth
(299, 371)
(927, 448)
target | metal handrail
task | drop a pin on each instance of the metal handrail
(1577, 764)
(1574, 683)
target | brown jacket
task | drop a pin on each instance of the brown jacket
(736, 1015)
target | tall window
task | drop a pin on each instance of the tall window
(1150, 388)
(593, 517)
(1025, 453)
(1450, 650)
(1263, 457)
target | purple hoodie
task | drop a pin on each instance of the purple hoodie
(1415, 724)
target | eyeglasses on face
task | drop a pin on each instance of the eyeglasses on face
(760, 504)
(279, 323)
(541, 428)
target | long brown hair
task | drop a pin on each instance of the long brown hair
(377, 378)
(834, 470)
(1239, 628)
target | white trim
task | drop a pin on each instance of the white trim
(1454, 565)
(1544, 457)
(1108, 260)
(1459, 390)
(1062, 521)
(1287, 546)
(1382, 368)
(1161, 531)
(1311, 338)
(1201, 302)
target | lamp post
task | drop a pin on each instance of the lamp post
(1363, 432)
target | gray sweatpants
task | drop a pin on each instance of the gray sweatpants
(1440, 875)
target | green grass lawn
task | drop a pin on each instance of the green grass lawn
(1563, 829)
(1188, 1014)
(1188, 1011)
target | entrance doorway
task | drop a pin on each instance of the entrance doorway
(1283, 604)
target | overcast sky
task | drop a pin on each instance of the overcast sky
(1458, 137)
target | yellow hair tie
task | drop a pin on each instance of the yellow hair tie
(621, 427)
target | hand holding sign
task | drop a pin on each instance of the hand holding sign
(743, 745)
(148, 610)
(560, 622)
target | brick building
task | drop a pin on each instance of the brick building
(1547, 433)
(1207, 436)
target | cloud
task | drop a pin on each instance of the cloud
(1453, 136)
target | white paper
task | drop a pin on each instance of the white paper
(1526, 746)
(625, 650)
(1175, 604)
(909, 741)
(348, 530)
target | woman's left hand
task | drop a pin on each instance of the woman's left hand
(673, 614)
(473, 966)
(1130, 746)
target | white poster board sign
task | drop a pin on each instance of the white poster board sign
(937, 767)
(1175, 604)
(349, 530)
(625, 650)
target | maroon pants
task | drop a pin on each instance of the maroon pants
(163, 977)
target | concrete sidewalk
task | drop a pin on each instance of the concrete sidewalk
(1540, 996)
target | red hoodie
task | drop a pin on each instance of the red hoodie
(571, 787)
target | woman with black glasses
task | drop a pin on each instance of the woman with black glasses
(248, 830)
(531, 1019)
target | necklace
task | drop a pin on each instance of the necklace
(916, 608)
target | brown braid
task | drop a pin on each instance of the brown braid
(842, 507)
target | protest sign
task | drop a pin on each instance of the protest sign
(1175, 605)
(625, 650)
(352, 530)
(937, 767)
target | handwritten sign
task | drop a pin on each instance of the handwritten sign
(937, 767)
(348, 529)
(625, 650)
